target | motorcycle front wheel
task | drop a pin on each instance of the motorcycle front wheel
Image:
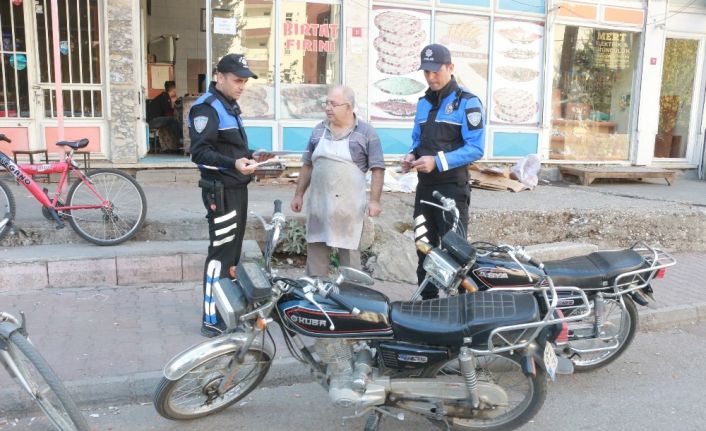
(526, 394)
(195, 394)
(619, 325)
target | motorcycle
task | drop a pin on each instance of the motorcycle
(465, 363)
(613, 280)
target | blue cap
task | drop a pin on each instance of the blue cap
(434, 56)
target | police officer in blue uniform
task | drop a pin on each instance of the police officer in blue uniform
(448, 135)
(219, 146)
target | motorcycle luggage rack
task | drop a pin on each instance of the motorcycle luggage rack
(514, 337)
(640, 278)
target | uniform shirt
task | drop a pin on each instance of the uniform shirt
(218, 138)
(449, 126)
(363, 142)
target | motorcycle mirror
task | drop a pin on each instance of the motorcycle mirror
(356, 276)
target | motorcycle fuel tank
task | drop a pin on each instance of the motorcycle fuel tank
(305, 318)
(497, 271)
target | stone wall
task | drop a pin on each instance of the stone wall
(122, 32)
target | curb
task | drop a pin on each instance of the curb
(284, 371)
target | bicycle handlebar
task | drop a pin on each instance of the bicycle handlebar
(5, 138)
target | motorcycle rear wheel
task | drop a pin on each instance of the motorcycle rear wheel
(623, 324)
(193, 396)
(526, 394)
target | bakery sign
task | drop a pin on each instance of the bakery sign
(324, 41)
(612, 49)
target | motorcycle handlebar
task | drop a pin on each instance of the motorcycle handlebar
(278, 206)
(337, 298)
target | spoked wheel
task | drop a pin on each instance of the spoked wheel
(525, 395)
(116, 221)
(7, 209)
(45, 388)
(195, 395)
(618, 329)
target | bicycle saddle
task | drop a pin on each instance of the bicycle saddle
(73, 144)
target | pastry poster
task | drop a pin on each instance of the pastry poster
(517, 77)
(397, 38)
(466, 37)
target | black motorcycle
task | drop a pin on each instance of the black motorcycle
(467, 362)
(613, 280)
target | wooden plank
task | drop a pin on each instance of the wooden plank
(587, 175)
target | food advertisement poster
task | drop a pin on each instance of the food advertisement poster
(396, 40)
(466, 37)
(257, 101)
(517, 77)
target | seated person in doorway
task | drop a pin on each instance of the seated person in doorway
(160, 114)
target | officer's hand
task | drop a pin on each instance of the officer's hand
(261, 156)
(425, 164)
(406, 162)
(374, 209)
(297, 203)
(245, 166)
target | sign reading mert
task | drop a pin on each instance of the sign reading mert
(612, 49)
(326, 33)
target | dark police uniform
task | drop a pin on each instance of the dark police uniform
(218, 139)
(449, 126)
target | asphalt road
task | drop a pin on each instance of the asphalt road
(659, 384)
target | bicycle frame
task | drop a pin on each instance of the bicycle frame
(24, 174)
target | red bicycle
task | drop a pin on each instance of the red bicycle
(104, 206)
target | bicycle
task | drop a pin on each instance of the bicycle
(31, 371)
(104, 206)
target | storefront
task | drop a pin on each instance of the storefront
(574, 81)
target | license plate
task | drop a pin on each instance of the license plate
(550, 360)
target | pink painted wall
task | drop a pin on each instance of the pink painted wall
(74, 133)
(19, 136)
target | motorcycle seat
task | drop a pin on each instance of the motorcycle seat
(447, 321)
(596, 270)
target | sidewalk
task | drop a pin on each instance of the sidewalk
(109, 344)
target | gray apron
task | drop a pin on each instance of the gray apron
(337, 197)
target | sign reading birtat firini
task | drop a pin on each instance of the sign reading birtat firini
(325, 42)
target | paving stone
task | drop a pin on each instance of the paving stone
(149, 269)
(31, 275)
(93, 272)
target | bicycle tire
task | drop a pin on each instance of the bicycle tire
(49, 392)
(108, 226)
(7, 209)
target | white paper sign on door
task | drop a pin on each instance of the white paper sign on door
(224, 25)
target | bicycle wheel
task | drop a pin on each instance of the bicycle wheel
(42, 384)
(7, 209)
(119, 218)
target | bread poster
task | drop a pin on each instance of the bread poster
(466, 37)
(517, 72)
(397, 37)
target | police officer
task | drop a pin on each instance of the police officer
(219, 146)
(448, 135)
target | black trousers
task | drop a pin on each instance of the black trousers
(430, 225)
(226, 229)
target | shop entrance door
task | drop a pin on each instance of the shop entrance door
(680, 99)
(81, 57)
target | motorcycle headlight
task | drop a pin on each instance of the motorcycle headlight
(441, 267)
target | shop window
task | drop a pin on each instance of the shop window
(466, 36)
(80, 56)
(247, 27)
(396, 40)
(310, 57)
(591, 93)
(517, 72)
(14, 90)
(676, 93)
